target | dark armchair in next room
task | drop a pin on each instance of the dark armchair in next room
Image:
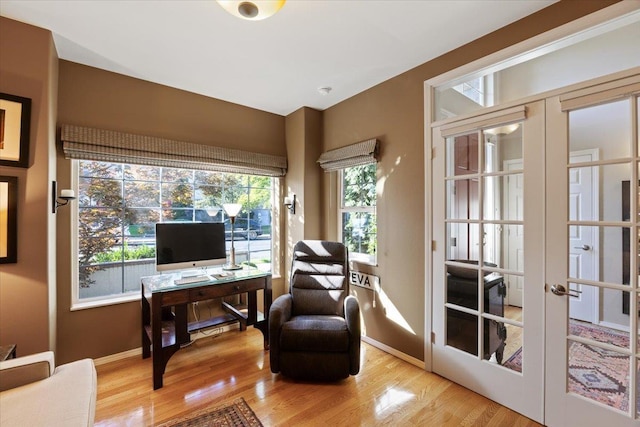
(314, 330)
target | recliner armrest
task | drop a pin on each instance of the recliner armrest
(281, 309)
(279, 313)
(352, 318)
(27, 369)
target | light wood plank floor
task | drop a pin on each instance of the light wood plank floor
(219, 369)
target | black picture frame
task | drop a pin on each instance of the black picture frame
(8, 219)
(15, 126)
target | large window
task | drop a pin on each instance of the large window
(358, 212)
(119, 205)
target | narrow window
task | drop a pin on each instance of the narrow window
(358, 212)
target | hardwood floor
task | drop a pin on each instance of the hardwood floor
(219, 369)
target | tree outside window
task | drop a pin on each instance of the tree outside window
(358, 211)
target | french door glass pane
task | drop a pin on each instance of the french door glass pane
(514, 298)
(596, 253)
(606, 182)
(503, 246)
(463, 199)
(462, 331)
(462, 155)
(503, 197)
(513, 350)
(605, 127)
(503, 148)
(610, 301)
(599, 374)
(462, 241)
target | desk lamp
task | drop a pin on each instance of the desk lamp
(232, 210)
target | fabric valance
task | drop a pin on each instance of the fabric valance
(361, 153)
(110, 146)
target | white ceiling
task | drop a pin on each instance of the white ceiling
(275, 65)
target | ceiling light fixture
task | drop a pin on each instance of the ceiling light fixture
(254, 10)
(324, 90)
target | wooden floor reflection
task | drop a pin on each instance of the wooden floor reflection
(220, 368)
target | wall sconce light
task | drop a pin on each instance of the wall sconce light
(290, 203)
(62, 200)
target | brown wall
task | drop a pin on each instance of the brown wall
(393, 112)
(304, 179)
(28, 68)
(97, 98)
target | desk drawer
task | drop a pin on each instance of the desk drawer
(218, 291)
(175, 297)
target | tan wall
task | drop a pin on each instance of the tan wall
(393, 112)
(304, 178)
(96, 98)
(28, 65)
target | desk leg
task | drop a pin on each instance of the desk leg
(264, 325)
(156, 342)
(182, 332)
(146, 322)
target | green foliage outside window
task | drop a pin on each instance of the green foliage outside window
(359, 227)
(127, 254)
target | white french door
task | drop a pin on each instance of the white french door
(592, 367)
(574, 234)
(486, 245)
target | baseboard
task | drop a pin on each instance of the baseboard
(118, 356)
(392, 351)
(616, 326)
(138, 351)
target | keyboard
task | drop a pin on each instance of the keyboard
(192, 279)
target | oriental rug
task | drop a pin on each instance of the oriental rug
(595, 373)
(236, 414)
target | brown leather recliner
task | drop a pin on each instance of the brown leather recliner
(314, 330)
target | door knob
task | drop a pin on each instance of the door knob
(561, 290)
(583, 247)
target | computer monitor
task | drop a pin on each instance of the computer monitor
(182, 245)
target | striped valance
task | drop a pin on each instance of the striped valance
(119, 147)
(361, 153)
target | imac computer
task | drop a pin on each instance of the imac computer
(185, 245)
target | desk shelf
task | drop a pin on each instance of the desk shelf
(168, 333)
(209, 323)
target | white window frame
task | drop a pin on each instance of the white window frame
(86, 303)
(361, 258)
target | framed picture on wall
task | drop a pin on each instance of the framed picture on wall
(8, 219)
(15, 123)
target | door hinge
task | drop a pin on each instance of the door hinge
(433, 337)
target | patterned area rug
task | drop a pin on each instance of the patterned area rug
(595, 373)
(237, 414)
